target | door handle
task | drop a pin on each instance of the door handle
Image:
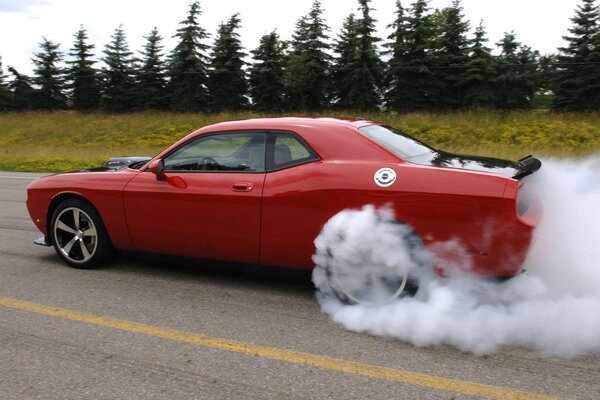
(242, 187)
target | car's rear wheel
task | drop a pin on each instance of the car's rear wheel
(366, 281)
(78, 234)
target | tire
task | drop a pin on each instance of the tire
(364, 280)
(78, 235)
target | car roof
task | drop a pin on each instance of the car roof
(283, 122)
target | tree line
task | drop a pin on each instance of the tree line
(428, 62)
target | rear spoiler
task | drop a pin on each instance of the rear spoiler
(527, 166)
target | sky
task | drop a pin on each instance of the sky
(539, 24)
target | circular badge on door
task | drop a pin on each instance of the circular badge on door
(385, 177)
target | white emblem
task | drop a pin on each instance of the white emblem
(385, 177)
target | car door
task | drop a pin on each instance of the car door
(295, 205)
(209, 203)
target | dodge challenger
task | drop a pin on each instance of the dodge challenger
(258, 192)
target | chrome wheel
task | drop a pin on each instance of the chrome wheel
(370, 284)
(76, 235)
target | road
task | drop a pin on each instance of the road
(143, 330)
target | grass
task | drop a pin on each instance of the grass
(63, 141)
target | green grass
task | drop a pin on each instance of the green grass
(62, 141)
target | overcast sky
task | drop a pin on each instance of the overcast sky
(537, 23)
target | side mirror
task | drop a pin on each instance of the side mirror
(158, 168)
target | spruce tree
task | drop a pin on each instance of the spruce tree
(365, 68)
(592, 71)
(516, 74)
(479, 78)
(227, 84)
(49, 77)
(5, 94)
(188, 65)
(266, 74)
(346, 49)
(451, 55)
(22, 91)
(307, 80)
(118, 75)
(413, 84)
(577, 76)
(151, 76)
(398, 49)
(84, 82)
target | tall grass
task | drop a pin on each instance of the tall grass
(61, 141)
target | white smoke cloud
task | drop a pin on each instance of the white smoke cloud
(553, 309)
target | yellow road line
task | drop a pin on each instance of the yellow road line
(294, 357)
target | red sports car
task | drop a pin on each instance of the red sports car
(259, 192)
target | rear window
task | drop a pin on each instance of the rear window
(401, 144)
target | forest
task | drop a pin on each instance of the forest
(430, 61)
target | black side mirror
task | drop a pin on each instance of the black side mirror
(158, 168)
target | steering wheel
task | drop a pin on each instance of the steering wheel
(207, 164)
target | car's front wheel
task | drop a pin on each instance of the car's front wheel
(78, 234)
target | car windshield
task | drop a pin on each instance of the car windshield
(397, 142)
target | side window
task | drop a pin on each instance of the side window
(220, 152)
(286, 150)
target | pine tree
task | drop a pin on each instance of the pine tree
(451, 55)
(516, 74)
(5, 94)
(307, 80)
(151, 77)
(227, 84)
(119, 85)
(83, 78)
(266, 74)
(592, 71)
(188, 65)
(22, 91)
(576, 78)
(414, 86)
(49, 77)
(365, 68)
(479, 78)
(346, 48)
(398, 49)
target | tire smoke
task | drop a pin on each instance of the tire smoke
(554, 309)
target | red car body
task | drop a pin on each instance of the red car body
(271, 218)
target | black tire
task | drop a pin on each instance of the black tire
(78, 235)
(330, 281)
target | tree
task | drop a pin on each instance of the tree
(516, 74)
(227, 84)
(452, 48)
(151, 76)
(398, 49)
(307, 80)
(49, 77)
(188, 65)
(5, 94)
(119, 85)
(592, 71)
(479, 78)
(413, 84)
(83, 78)
(266, 74)
(577, 75)
(22, 91)
(365, 68)
(346, 49)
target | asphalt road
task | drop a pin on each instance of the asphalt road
(143, 330)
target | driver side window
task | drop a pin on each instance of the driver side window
(223, 152)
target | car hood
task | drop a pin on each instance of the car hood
(511, 169)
